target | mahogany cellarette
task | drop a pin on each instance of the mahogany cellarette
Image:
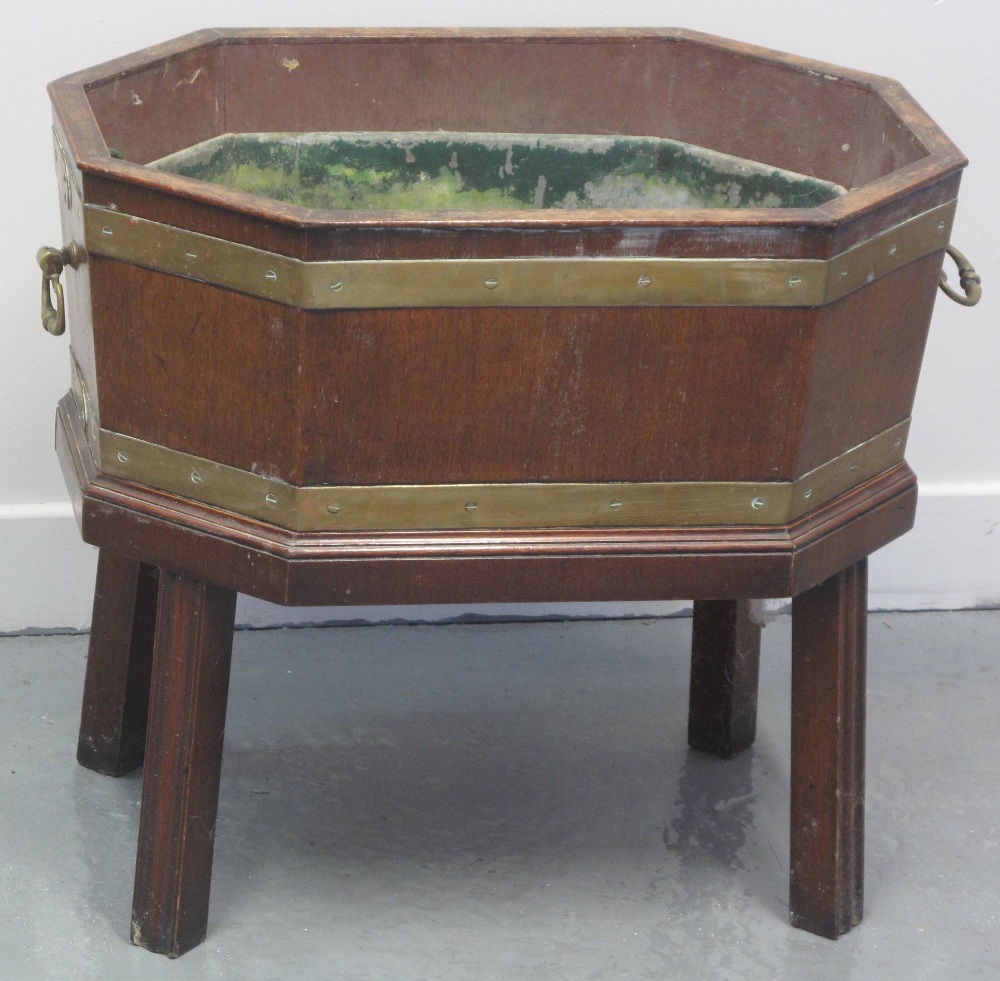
(464, 316)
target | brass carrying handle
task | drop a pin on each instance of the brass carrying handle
(53, 261)
(968, 279)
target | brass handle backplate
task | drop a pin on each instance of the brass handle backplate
(968, 279)
(52, 262)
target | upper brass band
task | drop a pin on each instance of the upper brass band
(515, 282)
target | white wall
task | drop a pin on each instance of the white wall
(943, 51)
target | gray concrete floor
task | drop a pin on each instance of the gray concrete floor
(511, 801)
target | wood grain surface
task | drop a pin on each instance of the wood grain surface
(180, 785)
(119, 663)
(725, 667)
(829, 630)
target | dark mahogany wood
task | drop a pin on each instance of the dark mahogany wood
(829, 624)
(725, 665)
(560, 394)
(474, 396)
(119, 662)
(180, 787)
(850, 397)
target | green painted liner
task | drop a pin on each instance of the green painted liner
(439, 171)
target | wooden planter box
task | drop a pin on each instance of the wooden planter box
(652, 330)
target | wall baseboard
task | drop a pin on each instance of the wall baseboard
(46, 572)
(950, 561)
(951, 558)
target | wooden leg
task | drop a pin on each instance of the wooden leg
(829, 625)
(116, 689)
(180, 789)
(725, 664)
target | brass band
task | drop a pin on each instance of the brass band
(496, 506)
(515, 282)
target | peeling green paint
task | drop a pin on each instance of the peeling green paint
(439, 171)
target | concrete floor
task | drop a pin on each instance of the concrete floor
(511, 801)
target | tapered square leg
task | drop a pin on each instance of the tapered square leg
(725, 665)
(829, 627)
(119, 662)
(180, 788)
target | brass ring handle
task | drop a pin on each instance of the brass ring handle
(52, 262)
(968, 279)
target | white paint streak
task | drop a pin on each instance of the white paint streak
(540, 191)
(191, 80)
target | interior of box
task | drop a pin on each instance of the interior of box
(471, 171)
(661, 93)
